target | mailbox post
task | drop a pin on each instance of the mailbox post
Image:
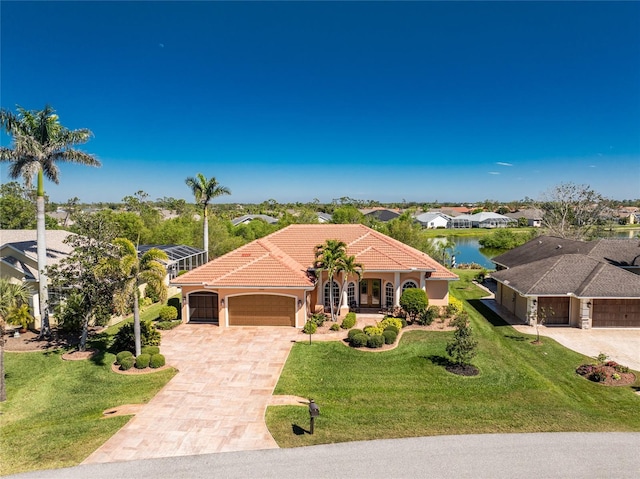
(314, 412)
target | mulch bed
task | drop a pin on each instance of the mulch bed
(134, 371)
(462, 370)
(625, 379)
(29, 342)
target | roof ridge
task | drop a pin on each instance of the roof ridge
(283, 258)
(548, 272)
(590, 277)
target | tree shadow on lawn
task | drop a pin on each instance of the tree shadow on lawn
(438, 360)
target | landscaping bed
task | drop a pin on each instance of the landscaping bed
(608, 373)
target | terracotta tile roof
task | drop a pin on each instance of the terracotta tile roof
(283, 258)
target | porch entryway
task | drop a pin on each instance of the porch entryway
(370, 293)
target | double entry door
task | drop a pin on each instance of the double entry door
(370, 293)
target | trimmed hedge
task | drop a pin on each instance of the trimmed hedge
(157, 361)
(391, 327)
(373, 330)
(123, 354)
(142, 361)
(124, 339)
(150, 350)
(359, 340)
(127, 362)
(389, 321)
(375, 341)
(310, 327)
(353, 332)
(389, 336)
(335, 327)
(168, 313)
(166, 325)
(349, 321)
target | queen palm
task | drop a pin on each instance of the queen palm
(204, 190)
(39, 142)
(330, 257)
(146, 268)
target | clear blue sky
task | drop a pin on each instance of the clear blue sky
(295, 101)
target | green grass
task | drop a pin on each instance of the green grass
(53, 414)
(407, 392)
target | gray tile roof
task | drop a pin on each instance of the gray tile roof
(247, 218)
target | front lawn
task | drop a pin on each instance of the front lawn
(53, 414)
(407, 392)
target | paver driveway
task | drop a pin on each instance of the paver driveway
(216, 403)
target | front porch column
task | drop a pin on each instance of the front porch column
(396, 283)
(532, 311)
(585, 313)
(319, 306)
(423, 283)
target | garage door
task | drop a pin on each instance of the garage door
(616, 313)
(556, 310)
(261, 310)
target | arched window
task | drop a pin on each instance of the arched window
(336, 294)
(351, 294)
(409, 284)
(388, 295)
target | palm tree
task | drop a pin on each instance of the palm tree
(12, 297)
(330, 257)
(146, 268)
(39, 142)
(204, 191)
(348, 267)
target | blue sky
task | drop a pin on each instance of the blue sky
(422, 101)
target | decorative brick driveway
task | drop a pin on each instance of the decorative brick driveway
(216, 403)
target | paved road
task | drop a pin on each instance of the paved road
(495, 456)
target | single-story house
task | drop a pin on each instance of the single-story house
(244, 219)
(585, 284)
(381, 214)
(481, 220)
(324, 217)
(272, 282)
(19, 259)
(532, 215)
(433, 220)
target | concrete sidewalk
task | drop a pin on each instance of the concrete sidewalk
(216, 403)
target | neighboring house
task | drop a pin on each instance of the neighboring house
(242, 220)
(324, 217)
(455, 210)
(381, 214)
(532, 215)
(181, 257)
(481, 220)
(271, 281)
(576, 283)
(19, 259)
(433, 220)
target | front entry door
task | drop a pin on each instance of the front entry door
(370, 293)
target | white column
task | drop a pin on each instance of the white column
(396, 283)
(423, 282)
(585, 313)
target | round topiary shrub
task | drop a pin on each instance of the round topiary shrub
(389, 336)
(404, 322)
(349, 321)
(373, 330)
(142, 361)
(310, 327)
(353, 332)
(157, 361)
(127, 362)
(375, 341)
(150, 350)
(389, 321)
(335, 327)
(391, 327)
(168, 313)
(123, 354)
(359, 340)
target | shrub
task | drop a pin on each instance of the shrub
(585, 369)
(427, 317)
(622, 369)
(310, 327)
(353, 332)
(391, 327)
(168, 313)
(150, 350)
(121, 355)
(125, 341)
(389, 336)
(462, 348)
(404, 322)
(142, 361)
(335, 327)
(395, 322)
(598, 375)
(398, 312)
(144, 302)
(602, 358)
(127, 362)
(349, 321)
(175, 302)
(454, 307)
(318, 319)
(414, 301)
(373, 330)
(359, 340)
(165, 325)
(375, 341)
(157, 361)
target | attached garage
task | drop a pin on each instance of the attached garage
(616, 313)
(556, 309)
(262, 310)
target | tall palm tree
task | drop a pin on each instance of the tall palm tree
(348, 267)
(146, 268)
(39, 141)
(330, 257)
(12, 296)
(204, 190)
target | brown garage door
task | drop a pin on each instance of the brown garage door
(261, 310)
(556, 309)
(616, 313)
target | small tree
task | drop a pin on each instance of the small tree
(538, 317)
(462, 348)
(414, 301)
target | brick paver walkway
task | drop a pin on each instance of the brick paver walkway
(216, 403)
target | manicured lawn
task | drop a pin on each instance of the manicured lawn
(53, 413)
(407, 392)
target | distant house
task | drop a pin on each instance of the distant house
(244, 219)
(576, 283)
(532, 215)
(481, 220)
(324, 217)
(381, 214)
(433, 220)
(19, 259)
(455, 210)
